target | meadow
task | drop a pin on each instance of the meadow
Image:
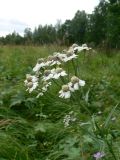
(84, 127)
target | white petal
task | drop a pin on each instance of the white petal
(37, 67)
(40, 94)
(34, 79)
(63, 73)
(56, 76)
(76, 86)
(71, 87)
(67, 95)
(81, 83)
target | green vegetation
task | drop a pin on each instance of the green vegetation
(33, 129)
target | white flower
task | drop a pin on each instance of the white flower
(81, 48)
(57, 58)
(49, 60)
(30, 78)
(69, 56)
(45, 86)
(40, 94)
(78, 49)
(47, 75)
(85, 47)
(31, 82)
(41, 63)
(65, 92)
(74, 45)
(31, 86)
(58, 72)
(70, 117)
(75, 83)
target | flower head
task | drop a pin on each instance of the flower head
(44, 88)
(70, 117)
(47, 75)
(31, 82)
(76, 83)
(58, 72)
(85, 47)
(40, 64)
(65, 92)
(69, 56)
(98, 155)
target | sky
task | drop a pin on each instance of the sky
(16, 15)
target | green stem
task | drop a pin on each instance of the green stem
(111, 149)
(74, 66)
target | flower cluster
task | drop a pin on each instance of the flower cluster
(55, 73)
(72, 86)
(78, 49)
(44, 73)
(69, 118)
(31, 82)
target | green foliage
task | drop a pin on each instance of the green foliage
(33, 129)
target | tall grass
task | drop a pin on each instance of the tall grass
(33, 129)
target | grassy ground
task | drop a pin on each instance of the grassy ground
(33, 129)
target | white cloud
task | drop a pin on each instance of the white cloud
(18, 14)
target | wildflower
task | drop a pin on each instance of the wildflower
(45, 86)
(58, 72)
(61, 56)
(85, 47)
(69, 118)
(57, 58)
(74, 45)
(76, 83)
(40, 94)
(98, 155)
(47, 75)
(81, 48)
(31, 82)
(65, 92)
(78, 49)
(69, 56)
(40, 64)
(49, 60)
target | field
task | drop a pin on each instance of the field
(36, 128)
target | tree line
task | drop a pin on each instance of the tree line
(101, 28)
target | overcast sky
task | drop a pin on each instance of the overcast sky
(16, 15)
